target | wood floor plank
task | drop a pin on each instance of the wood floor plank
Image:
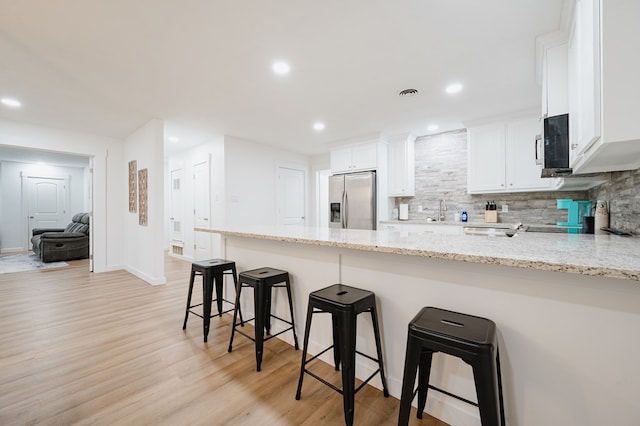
(78, 348)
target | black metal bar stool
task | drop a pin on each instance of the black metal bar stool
(263, 280)
(344, 303)
(471, 338)
(212, 272)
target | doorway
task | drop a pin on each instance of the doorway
(176, 232)
(291, 196)
(202, 209)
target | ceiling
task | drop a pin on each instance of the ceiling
(204, 66)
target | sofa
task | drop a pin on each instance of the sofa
(57, 244)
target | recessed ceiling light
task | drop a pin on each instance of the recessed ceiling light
(281, 68)
(12, 103)
(318, 126)
(173, 139)
(432, 127)
(453, 88)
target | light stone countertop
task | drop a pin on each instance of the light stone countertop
(596, 255)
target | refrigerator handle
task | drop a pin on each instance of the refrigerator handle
(345, 209)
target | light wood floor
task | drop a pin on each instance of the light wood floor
(83, 348)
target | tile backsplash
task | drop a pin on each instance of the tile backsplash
(622, 192)
(441, 174)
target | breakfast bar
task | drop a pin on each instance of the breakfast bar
(567, 309)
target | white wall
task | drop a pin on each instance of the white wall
(144, 244)
(108, 181)
(13, 221)
(318, 163)
(185, 160)
(250, 180)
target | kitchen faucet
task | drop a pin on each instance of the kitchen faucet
(442, 209)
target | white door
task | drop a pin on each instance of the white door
(201, 210)
(291, 195)
(176, 232)
(46, 203)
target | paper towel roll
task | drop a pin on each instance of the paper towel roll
(602, 217)
(403, 213)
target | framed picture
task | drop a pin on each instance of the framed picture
(143, 197)
(133, 196)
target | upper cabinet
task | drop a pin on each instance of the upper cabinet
(402, 178)
(502, 158)
(604, 87)
(555, 92)
(353, 158)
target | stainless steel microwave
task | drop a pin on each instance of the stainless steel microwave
(552, 149)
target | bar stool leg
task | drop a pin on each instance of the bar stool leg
(259, 300)
(503, 421)
(267, 310)
(218, 282)
(207, 295)
(347, 342)
(336, 341)
(186, 314)
(293, 324)
(376, 333)
(235, 313)
(424, 372)
(305, 346)
(408, 380)
(235, 286)
(486, 380)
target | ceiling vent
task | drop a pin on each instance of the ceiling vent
(407, 92)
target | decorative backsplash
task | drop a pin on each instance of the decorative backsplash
(441, 173)
(623, 195)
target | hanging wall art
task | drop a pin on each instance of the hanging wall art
(133, 196)
(143, 197)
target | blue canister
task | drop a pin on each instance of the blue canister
(465, 217)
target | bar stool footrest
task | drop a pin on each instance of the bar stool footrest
(475, 404)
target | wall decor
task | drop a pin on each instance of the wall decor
(133, 196)
(143, 196)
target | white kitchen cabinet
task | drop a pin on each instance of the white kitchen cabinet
(486, 171)
(353, 158)
(402, 178)
(604, 86)
(555, 95)
(502, 158)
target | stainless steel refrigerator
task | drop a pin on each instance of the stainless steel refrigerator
(352, 201)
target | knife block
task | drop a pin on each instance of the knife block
(491, 216)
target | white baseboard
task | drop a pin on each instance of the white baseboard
(145, 277)
(13, 250)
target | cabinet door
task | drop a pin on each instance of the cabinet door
(365, 156)
(521, 169)
(341, 160)
(402, 168)
(556, 78)
(486, 159)
(587, 34)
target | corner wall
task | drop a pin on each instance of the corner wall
(143, 246)
(250, 181)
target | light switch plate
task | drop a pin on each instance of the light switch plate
(505, 208)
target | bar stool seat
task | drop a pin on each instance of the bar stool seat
(344, 303)
(212, 272)
(470, 338)
(263, 280)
